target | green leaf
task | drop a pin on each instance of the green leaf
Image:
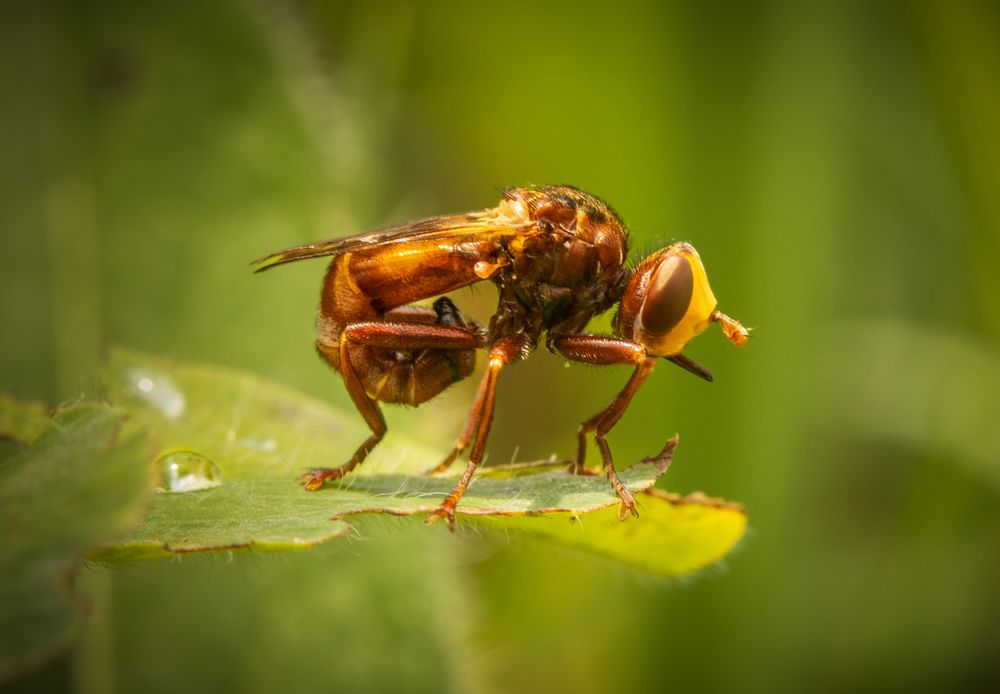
(258, 437)
(673, 536)
(81, 483)
(22, 422)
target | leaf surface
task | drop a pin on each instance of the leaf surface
(21, 422)
(261, 436)
(82, 482)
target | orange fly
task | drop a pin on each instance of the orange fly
(557, 257)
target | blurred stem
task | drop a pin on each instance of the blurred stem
(319, 100)
(72, 238)
(457, 607)
(93, 662)
(963, 59)
(71, 233)
(70, 214)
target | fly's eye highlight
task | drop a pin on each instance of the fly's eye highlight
(669, 296)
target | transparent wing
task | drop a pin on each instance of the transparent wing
(443, 227)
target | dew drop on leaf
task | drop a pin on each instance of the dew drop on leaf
(187, 471)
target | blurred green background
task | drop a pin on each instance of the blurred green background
(837, 165)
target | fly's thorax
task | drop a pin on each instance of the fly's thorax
(573, 241)
(667, 301)
(568, 212)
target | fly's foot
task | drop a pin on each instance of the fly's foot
(315, 478)
(445, 511)
(626, 503)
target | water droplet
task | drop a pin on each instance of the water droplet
(156, 389)
(187, 471)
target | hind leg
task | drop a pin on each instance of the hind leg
(395, 336)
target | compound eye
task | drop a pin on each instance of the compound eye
(668, 296)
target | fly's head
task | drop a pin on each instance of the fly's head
(667, 301)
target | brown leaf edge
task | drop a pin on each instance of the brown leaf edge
(661, 462)
(112, 554)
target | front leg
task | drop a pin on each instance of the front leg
(604, 351)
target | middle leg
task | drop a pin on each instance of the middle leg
(503, 352)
